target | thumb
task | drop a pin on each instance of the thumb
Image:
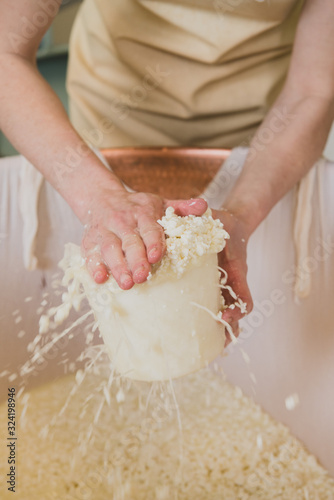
(194, 206)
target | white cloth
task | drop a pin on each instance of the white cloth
(30, 184)
(302, 227)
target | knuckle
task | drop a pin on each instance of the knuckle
(144, 198)
(119, 219)
(86, 242)
(152, 229)
(110, 243)
(141, 265)
(149, 203)
(94, 262)
(92, 252)
(129, 240)
(92, 236)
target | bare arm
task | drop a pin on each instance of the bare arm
(31, 114)
(294, 133)
(122, 234)
(288, 142)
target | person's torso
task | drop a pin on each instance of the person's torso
(203, 58)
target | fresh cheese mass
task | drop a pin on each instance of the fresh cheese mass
(90, 436)
(168, 326)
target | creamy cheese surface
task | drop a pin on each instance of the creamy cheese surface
(168, 326)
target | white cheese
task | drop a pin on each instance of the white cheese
(148, 330)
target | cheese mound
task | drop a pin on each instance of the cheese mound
(171, 324)
(85, 437)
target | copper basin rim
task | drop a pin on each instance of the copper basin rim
(171, 172)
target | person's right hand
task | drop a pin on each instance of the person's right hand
(233, 259)
(122, 236)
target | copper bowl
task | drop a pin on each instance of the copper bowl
(173, 173)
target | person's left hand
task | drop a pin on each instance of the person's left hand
(233, 260)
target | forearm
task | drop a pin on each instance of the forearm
(34, 120)
(122, 236)
(285, 147)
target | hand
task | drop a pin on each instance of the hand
(233, 260)
(122, 236)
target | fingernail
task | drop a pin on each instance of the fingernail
(126, 279)
(99, 276)
(225, 317)
(153, 253)
(138, 274)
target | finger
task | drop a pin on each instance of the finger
(113, 255)
(94, 262)
(153, 237)
(232, 315)
(235, 308)
(238, 282)
(135, 254)
(194, 206)
(234, 312)
(96, 267)
(236, 331)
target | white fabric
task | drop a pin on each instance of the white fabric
(30, 184)
(301, 231)
(291, 346)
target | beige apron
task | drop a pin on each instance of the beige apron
(188, 72)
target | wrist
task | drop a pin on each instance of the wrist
(81, 185)
(248, 213)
